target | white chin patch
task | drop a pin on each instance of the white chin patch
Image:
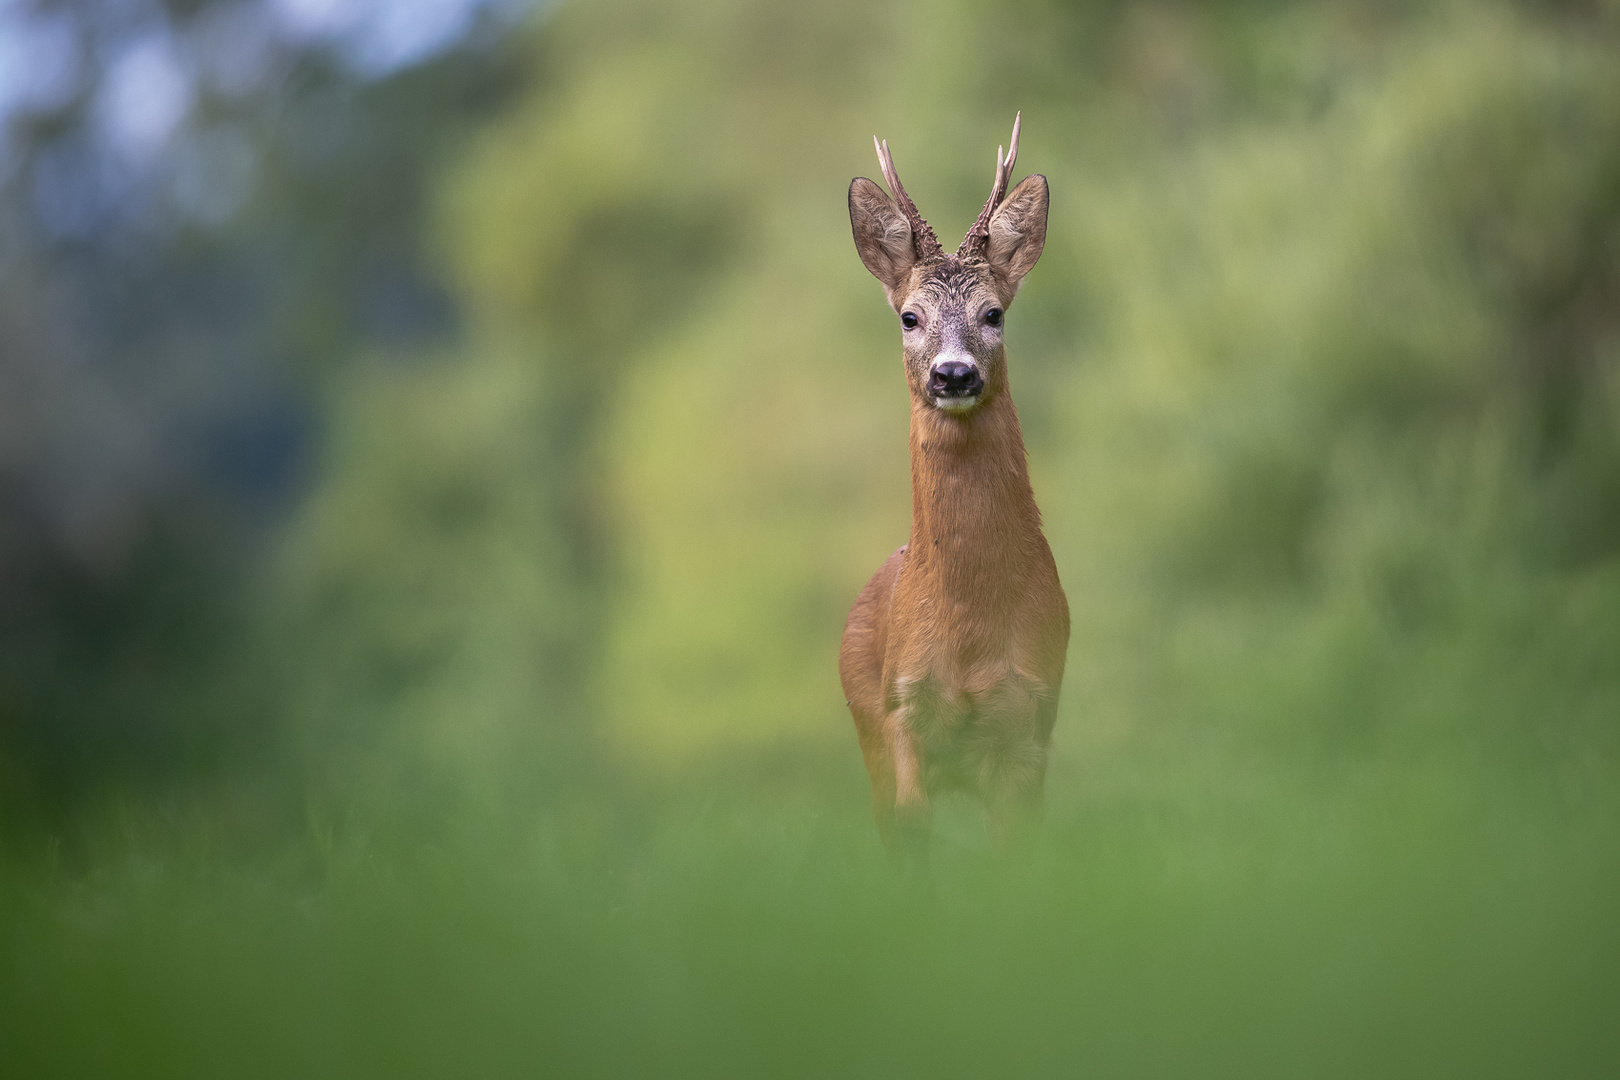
(956, 404)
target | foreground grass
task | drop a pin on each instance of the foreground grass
(1387, 921)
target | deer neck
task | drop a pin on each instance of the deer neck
(975, 529)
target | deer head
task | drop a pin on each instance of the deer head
(951, 306)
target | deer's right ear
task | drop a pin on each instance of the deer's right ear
(881, 234)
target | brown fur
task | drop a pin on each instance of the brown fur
(953, 654)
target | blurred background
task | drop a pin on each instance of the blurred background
(440, 439)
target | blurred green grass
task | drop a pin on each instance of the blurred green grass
(1402, 922)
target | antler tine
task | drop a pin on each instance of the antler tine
(1012, 149)
(976, 236)
(923, 240)
(890, 177)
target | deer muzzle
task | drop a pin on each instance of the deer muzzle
(954, 383)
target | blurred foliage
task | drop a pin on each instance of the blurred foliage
(170, 312)
(1317, 369)
(1317, 375)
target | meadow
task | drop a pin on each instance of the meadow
(509, 742)
(1233, 920)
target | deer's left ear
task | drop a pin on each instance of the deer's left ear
(1018, 230)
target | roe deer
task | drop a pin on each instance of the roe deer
(953, 653)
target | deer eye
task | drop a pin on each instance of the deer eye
(993, 316)
(908, 320)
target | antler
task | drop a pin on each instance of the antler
(976, 237)
(923, 240)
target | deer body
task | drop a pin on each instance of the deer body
(953, 654)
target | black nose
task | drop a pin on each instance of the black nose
(954, 378)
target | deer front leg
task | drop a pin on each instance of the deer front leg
(911, 815)
(1015, 808)
(880, 772)
(1013, 735)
